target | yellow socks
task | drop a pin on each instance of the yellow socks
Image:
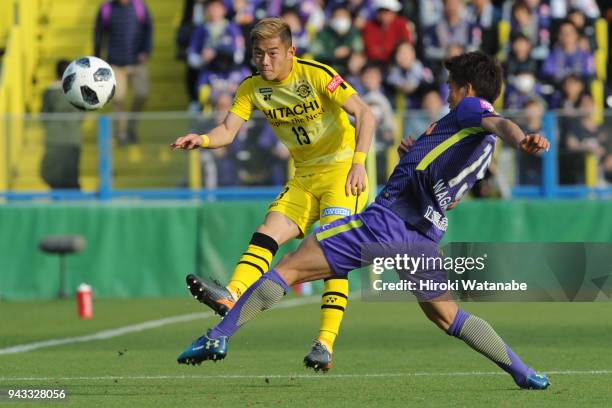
(333, 304)
(253, 263)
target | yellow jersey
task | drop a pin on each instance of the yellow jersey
(305, 111)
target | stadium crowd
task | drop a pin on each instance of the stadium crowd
(392, 53)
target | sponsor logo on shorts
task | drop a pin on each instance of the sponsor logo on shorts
(334, 83)
(341, 211)
(436, 218)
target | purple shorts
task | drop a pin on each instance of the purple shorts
(347, 243)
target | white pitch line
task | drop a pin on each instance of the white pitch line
(135, 328)
(296, 376)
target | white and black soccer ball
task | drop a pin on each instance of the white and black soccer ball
(89, 83)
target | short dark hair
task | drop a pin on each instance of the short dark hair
(480, 70)
(60, 67)
(519, 36)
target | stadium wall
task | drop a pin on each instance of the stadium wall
(145, 249)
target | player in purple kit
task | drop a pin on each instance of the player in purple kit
(432, 175)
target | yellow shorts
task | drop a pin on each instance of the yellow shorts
(311, 197)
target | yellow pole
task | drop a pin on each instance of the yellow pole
(590, 170)
(195, 170)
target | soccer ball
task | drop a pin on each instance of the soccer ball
(88, 83)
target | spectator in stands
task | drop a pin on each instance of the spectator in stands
(520, 87)
(220, 166)
(530, 166)
(361, 10)
(263, 158)
(382, 34)
(532, 20)
(567, 100)
(559, 9)
(416, 122)
(217, 44)
(568, 58)
(452, 29)
(310, 12)
(357, 61)
(484, 19)
(335, 43)
(584, 136)
(211, 84)
(585, 27)
(374, 97)
(125, 30)
(408, 75)
(430, 12)
(256, 156)
(442, 76)
(193, 15)
(246, 12)
(299, 34)
(519, 58)
(60, 163)
(245, 15)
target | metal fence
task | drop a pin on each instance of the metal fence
(36, 149)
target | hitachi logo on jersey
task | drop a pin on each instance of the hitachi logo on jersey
(286, 111)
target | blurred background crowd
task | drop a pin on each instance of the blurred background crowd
(554, 54)
(392, 53)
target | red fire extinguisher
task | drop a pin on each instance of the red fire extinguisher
(85, 301)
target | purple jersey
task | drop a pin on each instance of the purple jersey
(441, 167)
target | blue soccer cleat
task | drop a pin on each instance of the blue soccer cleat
(536, 381)
(204, 348)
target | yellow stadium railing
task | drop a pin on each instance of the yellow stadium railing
(12, 96)
(195, 170)
(591, 173)
(601, 54)
(19, 21)
(503, 32)
(6, 21)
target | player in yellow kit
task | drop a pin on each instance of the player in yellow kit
(306, 103)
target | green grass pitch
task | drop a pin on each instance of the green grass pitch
(388, 354)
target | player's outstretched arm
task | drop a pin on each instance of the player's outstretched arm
(364, 133)
(220, 136)
(510, 133)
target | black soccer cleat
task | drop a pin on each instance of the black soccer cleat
(211, 293)
(319, 357)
